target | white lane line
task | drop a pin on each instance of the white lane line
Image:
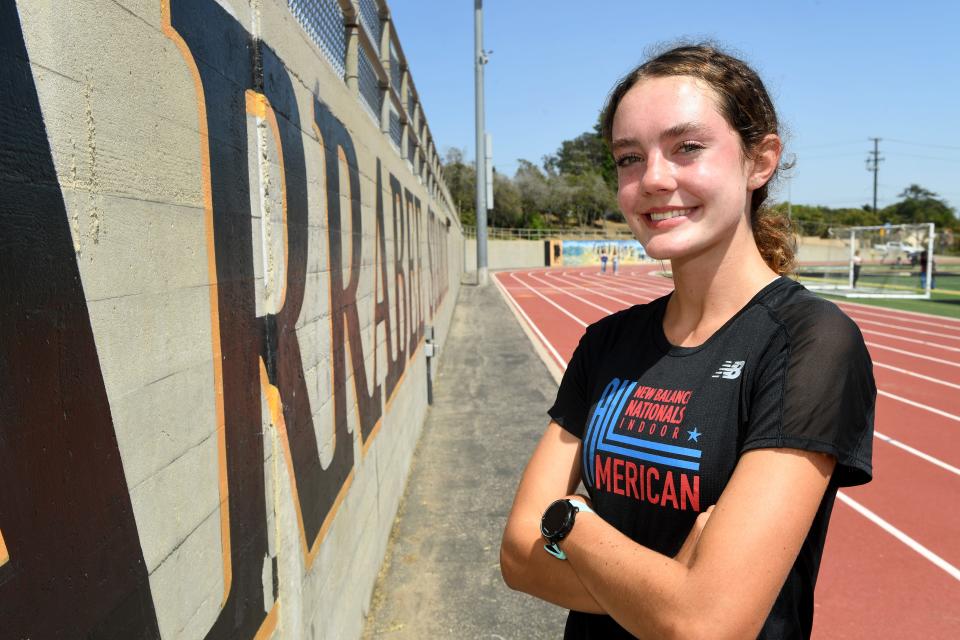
(885, 312)
(591, 284)
(902, 328)
(912, 354)
(633, 289)
(935, 345)
(917, 375)
(562, 310)
(572, 295)
(531, 323)
(939, 412)
(627, 303)
(939, 562)
(920, 454)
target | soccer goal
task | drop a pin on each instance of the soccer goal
(887, 261)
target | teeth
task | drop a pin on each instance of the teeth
(666, 215)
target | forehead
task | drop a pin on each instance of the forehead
(655, 105)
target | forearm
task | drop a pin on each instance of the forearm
(649, 594)
(527, 567)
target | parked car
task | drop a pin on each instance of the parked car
(897, 250)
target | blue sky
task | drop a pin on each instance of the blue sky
(840, 72)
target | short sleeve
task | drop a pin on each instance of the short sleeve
(814, 390)
(570, 408)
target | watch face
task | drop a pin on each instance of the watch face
(556, 519)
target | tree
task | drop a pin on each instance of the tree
(587, 153)
(585, 196)
(507, 204)
(921, 205)
(461, 179)
(816, 220)
(533, 190)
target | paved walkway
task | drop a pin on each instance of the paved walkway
(441, 577)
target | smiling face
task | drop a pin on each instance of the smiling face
(684, 184)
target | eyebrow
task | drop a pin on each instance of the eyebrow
(677, 130)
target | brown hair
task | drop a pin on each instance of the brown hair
(744, 102)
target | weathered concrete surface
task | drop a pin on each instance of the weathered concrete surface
(441, 577)
(219, 260)
(506, 254)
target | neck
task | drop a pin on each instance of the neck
(712, 287)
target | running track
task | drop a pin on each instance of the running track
(891, 567)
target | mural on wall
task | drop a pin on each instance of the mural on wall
(71, 560)
(590, 252)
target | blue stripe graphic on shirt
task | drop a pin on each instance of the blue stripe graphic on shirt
(589, 439)
(614, 407)
(649, 457)
(600, 435)
(602, 414)
(646, 444)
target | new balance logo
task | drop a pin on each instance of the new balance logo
(730, 370)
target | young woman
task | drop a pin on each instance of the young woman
(711, 428)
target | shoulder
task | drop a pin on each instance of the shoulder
(811, 322)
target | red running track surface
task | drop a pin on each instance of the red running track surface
(890, 566)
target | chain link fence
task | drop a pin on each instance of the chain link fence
(323, 22)
(508, 233)
(379, 75)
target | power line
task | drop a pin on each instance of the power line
(914, 155)
(831, 144)
(923, 144)
(829, 155)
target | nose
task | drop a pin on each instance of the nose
(658, 175)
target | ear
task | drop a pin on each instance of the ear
(766, 158)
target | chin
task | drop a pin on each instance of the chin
(664, 250)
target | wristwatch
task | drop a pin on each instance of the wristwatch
(557, 522)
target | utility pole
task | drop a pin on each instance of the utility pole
(480, 59)
(873, 164)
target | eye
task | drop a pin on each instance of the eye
(690, 146)
(627, 159)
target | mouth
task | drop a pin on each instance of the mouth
(656, 215)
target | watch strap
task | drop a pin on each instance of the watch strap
(581, 506)
(554, 549)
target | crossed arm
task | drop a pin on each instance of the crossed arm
(723, 582)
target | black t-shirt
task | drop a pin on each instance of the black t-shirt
(663, 426)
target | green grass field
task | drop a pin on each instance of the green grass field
(945, 300)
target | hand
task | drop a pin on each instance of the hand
(688, 551)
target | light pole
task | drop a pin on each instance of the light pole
(480, 59)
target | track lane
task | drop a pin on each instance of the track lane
(920, 429)
(925, 433)
(871, 586)
(910, 493)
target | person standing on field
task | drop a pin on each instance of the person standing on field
(712, 427)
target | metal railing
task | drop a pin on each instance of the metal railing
(576, 233)
(359, 41)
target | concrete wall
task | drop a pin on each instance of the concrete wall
(519, 254)
(818, 250)
(505, 254)
(217, 265)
